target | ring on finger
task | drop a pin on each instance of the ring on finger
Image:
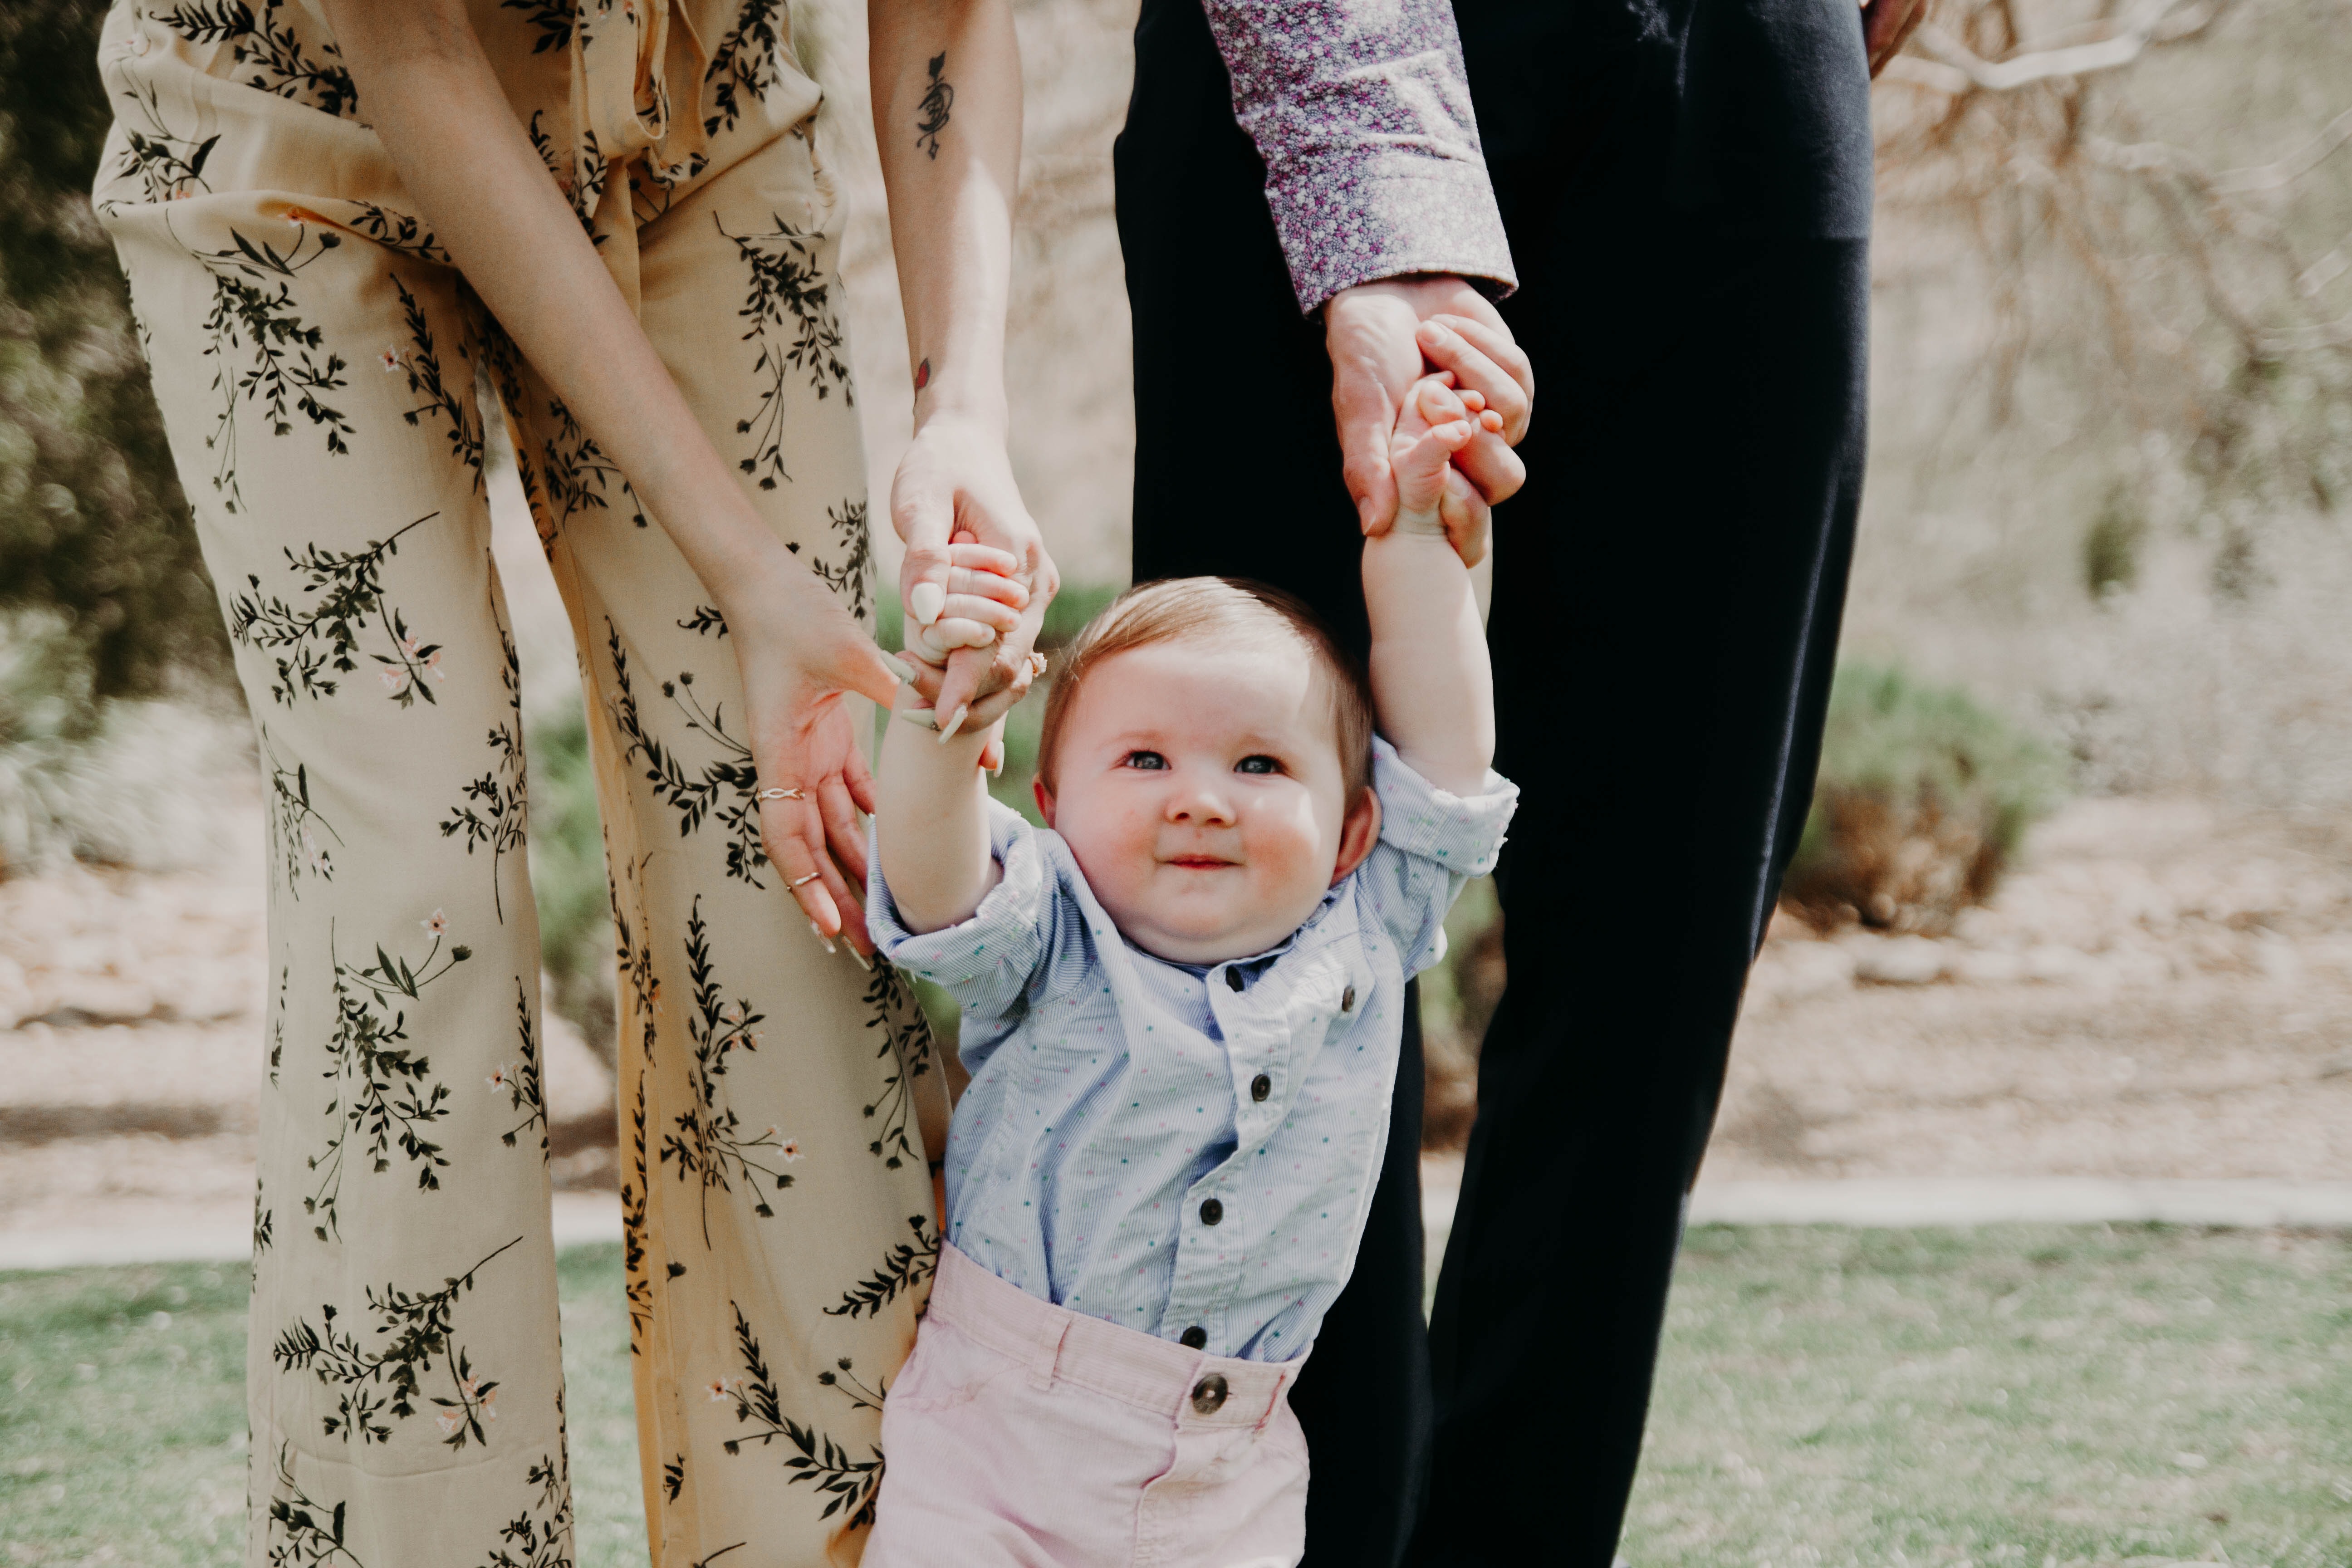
(803, 881)
(778, 792)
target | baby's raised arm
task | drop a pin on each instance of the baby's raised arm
(932, 800)
(1432, 685)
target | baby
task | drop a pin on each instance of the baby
(1181, 1014)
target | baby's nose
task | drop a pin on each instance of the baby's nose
(1199, 806)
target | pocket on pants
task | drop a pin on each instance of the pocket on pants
(947, 1370)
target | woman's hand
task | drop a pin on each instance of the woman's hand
(801, 653)
(955, 484)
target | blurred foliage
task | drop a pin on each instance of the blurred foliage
(2111, 545)
(92, 522)
(117, 782)
(1922, 796)
(568, 877)
(1458, 997)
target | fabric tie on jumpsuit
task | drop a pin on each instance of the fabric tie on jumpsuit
(316, 356)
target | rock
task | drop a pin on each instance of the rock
(576, 1085)
(1898, 961)
(1980, 967)
(88, 999)
(2055, 964)
(1793, 971)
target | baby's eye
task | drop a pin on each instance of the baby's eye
(1150, 762)
(1258, 765)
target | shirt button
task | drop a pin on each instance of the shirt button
(1347, 1000)
(1209, 1394)
(1212, 1212)
(1193, 1338)
(1260, 1087)
(1234, 978)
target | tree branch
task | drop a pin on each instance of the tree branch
(1956, 67)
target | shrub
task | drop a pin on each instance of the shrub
(92, 523)
(1922, 796)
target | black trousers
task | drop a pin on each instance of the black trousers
(1690, 231)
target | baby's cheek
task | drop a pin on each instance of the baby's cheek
(1292, 858)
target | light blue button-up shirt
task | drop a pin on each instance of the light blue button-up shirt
(1166, 1146)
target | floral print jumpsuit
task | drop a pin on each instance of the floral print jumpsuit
(316, 357)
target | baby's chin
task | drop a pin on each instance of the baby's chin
(1191, 933)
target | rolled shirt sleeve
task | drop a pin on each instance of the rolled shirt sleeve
(988, 961)
(1432, 842)
(1361, 110)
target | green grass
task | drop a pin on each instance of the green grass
(2022, 1394)
(2033, 1395)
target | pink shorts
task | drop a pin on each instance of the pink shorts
(1022, 1435)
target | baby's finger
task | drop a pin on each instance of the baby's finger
(1439, 403)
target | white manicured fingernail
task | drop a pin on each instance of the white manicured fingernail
(818, 932)
(955, 723)
(998, 770)
(900, 667)
(927, 600)
(920, 718)
(864, 962)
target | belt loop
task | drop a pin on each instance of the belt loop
(1273, 1400)
(1048, 1354)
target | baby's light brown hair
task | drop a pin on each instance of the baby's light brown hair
(1184, 609)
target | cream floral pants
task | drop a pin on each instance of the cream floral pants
(316, 358)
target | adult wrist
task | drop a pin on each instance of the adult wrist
(983, 410)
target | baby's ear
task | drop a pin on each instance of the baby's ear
(1045, 800)
(1357, 833)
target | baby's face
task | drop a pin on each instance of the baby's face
(1201, 790)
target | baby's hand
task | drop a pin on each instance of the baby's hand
(1435, 422)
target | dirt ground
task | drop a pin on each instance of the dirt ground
(2157, 990)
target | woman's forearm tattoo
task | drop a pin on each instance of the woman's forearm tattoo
(938, 99)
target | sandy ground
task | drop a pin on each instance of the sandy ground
(2157, 992)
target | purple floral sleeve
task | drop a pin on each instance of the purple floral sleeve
(1362, 115)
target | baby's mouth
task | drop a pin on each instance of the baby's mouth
(1200, 863)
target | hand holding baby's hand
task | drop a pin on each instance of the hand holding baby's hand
(979, 577)
(1437, 421)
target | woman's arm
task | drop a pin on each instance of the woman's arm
(947, 116)
(467, 165)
